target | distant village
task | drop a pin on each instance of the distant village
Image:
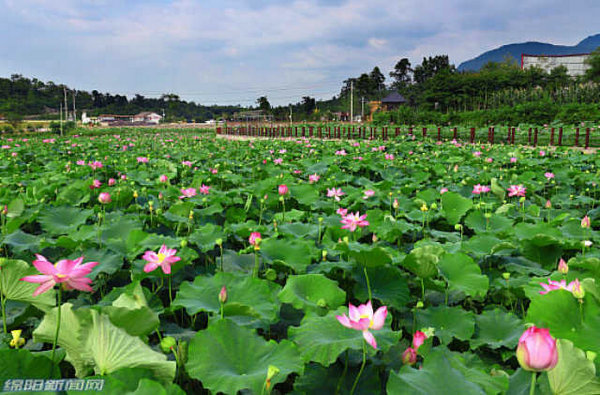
(143, 118)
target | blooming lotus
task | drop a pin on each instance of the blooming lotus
(516, 190)
(70, 273)
(282, 189)
(537, 350)
(418, 339)
(362, 318)
(353, 220)
(254, 237)
(111, 182)
(335, 193)
(163, 178)
(342, 211)
(556, 285)
(549, 175)
(313, 178)
(188, 192)
(104, 198)
(513, 160)
(164, 258)
(443, 190)
(142, 159)
(368, 193)
(479, 189)
(204, 189)
(95, 184)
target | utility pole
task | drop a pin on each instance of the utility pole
(74, 110)
(66, 107)
(351, 101)
(362, 109)
(61, 116)
(290, 115)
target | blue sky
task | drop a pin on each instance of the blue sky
(231, 52)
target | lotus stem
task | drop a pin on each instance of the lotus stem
(3, 306)
(59, 296)
(362, 367)
(368, 283)
(532, 387)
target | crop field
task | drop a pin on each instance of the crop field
(179, 262)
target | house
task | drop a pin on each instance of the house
(147, 117)
(85, 120)
(114, 120)
(252, 116)
(576, 64)
(392, 101)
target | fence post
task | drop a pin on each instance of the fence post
(424, 133)
(529, 137)
(472, 136)
(577, 137)
(493, 134)
(587, 138)
(552, 137)
(439, 136)
(303, 131)
(455, 134)
(396, 132)
(535, 135)
(560, 136)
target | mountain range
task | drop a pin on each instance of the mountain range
(515, 51)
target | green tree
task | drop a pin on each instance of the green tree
(377, 81)
(263, 104)
(401, 74)
(593, 73)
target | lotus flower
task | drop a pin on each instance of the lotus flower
(537, 350)
(443, 190)
(563, 268)
(342, 211)
(188, 192)
(104, 198)
(163, 178)
(516, 190)
(418, 339)
(254, 236)
(204, 189)
(409, 356)
(556, 285)
(282, 189)
(111, 182)
(362, 318)
(71, 273)
(549, 175)
(585, 222)
(479, 189)
(313, 178)
(142, 159)
(368, 193)
(165, 258)
(335, 193)
(353, 220)
(95, 184)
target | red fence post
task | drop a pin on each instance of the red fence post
(455, 134)
(587, 138)
(560, 136)
(493, 134)
(529, 137)
(396, 132)
(439, 137)
(424, 132)
(535, 135)
(552, 137)
(577, 137)
(472, 136)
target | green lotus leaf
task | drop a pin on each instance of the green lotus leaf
(455, 206)
(463, 275)
(11, 271)
(63, 220)
(312, 292)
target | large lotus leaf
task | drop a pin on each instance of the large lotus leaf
(560, 312)
(22, 364)
(11, 271)
(312, 292)
(436, 377)
(74, 324)
(206, 236)
(257, 295)
(455, 206)
(75, 193)
(293, 253)
(21, 241)
(123, 381)
(496, 328)
(93, 342)
(496, 224)
(541, 233)
(371, 257)
(179, 212)
(304, 194)
(423, 261)
(464, 275)
(318, 379)
(228, 358)
(323, 339)
(63, 220)
(118, 226)
(448, 322)
(299, 230)
(387, 284)
(574, 374)
(15, 208)
(131, 312)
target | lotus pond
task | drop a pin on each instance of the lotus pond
(186, 263)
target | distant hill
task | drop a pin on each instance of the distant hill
(532, 48)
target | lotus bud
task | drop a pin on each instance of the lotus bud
(418, 339)
(324, 255)
(409, 356)
(537, 350)
(104, 198)
(395, 204)
(548, 204)
(563, 268)
(585, 222)
(506, 276)
(183, 243)
(578, 291)
(223, 295)
(434, 206)
(167, 344)
(420, 304)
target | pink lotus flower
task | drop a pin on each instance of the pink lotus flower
(563, 268)
(585, 222)
(443, 190)
(187, 193)
(479, 189)
(489, 160)
(368, 193)
(516, 190)
(71, 273)
(187, 163)
(213, 171)
(95, 184)
(104, 198)
(123, 176)
(549, 175)
(477, 154)
(142, 159)
(164, 258)
(111, 182)
(362, 318)
(278, 161)
(283, 189)
(418, 339)
(409, 356)
(537, 351)
(80, 163)
(352, 221)
(335, 193)
(253, 238)
(342, 211)
(556, 285)
(95, 165)
(163, 178)
(204, 189)
(548, 204)
(313, 178)
(513, 160)
(389, 156)
(542, 153)
(341, 152)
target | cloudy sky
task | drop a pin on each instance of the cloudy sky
(233, 51)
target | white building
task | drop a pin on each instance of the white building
(575, 64)
(147, 117)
